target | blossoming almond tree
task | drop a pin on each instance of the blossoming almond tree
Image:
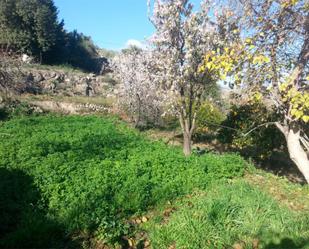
(181, 39)
(140, 96)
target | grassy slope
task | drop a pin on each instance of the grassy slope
(89, 175)
(66, 177)
(107, 102)
(237, 214)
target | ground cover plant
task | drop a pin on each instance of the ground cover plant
(228, 215)
(87, 174)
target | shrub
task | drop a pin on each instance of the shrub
(208, 118)
(13, 108)
(94, 173)
(260, 143)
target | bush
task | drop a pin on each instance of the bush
(209, 118)
(260, 143)
(94, 173)
(13, 108)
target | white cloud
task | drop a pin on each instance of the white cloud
(136, 43)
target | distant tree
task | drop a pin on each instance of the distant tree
(46, 26)
(107, 53)
(81, 52)
(12, 35)
(32, 27)
(29, 26)
(134, 67)
(57, 54)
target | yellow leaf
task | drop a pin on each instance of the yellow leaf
(223, 77)
(299, 114)
(293, 111)
(305, 118)
(144, 219)
(248, 40)
(283, 87)
(266, 59)
(131, 242)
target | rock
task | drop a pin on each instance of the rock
(144, 219)
(38, 77)
(60, 77)
(29, 78)
(52, 75)
(67, 83)
(26, 59)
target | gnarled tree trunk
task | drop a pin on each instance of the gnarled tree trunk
(296, 151)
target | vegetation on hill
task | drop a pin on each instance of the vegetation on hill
(32, 27)
(94, 182)
(91, 174)
(29, 26)
(228, 215)
(73, 178)
(243, 44)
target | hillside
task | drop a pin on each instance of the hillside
(93, 181)
(161, 124)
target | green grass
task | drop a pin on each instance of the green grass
(71, 181)
(67, 68)
(103, 101)
(293, 196)
(229, 215)
(67, 175)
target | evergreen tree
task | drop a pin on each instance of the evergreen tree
(32, 27)
(29, 26)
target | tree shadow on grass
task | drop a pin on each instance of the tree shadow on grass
(288, 243)
(23, 221)
(3, 114)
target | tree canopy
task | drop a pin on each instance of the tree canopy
(269, 62)
(29, 26)
(33, 27)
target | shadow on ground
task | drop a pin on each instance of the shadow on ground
(288, 243)
(23, 223)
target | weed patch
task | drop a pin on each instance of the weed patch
(92, 174)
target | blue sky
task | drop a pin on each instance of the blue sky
(110, 23)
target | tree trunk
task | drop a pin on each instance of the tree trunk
(297, 154)
(137, 117)
(40, 58)
(187, 126)
(187, 149)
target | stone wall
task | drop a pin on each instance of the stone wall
(67, 83)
